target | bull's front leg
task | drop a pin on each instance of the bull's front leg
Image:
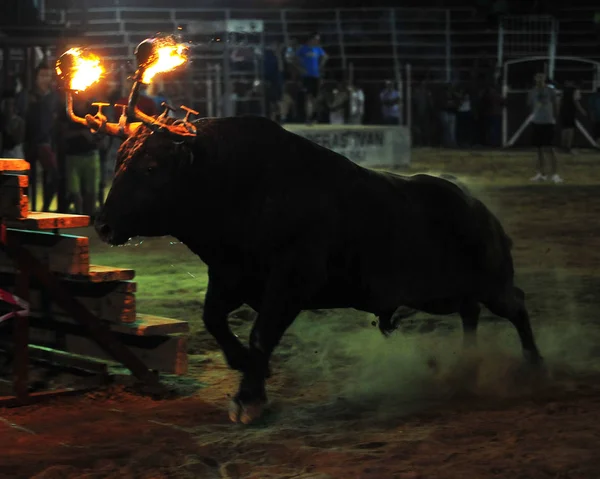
(219, 302)
(292, 282)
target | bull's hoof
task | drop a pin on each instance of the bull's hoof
(246, 413)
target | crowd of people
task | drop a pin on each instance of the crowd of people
(34, 124)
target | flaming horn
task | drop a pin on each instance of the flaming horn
(80, 69)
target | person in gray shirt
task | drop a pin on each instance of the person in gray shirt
(543, 104)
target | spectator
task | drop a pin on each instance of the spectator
(311, 59)
(464, 121)
(145, 103)
(594, 104)
(156, 92)
(491, 116)
(390, 104)
(357, 105)
(82, 158)
(542, 100)
(569, 106)
(449, 107)
(339, 104)
(40, 118)
(12, 128)
(422, 105)
(292, 66)
(274, 66)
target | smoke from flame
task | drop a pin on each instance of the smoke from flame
(168, 56)
(85, 71)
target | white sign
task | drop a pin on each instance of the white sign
(385, 146)
(228, 26)
(245, 26)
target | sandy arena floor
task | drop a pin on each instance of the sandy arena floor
(348, 404)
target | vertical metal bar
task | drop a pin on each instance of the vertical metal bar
(500, 51)
(284, 26)
(42, 9)
(340, 32)
(210, 106)
(219, 90)
(504, 106)
(227, 68)
(448, 48)
(261, 71)
(409, 98)
(21, 338)
(394, 34)
(552, 48)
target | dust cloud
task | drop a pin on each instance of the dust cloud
(412, 369)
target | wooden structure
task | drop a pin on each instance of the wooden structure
(80, 315)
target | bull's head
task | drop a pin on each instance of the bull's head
(142, 196)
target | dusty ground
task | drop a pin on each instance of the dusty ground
(348, 404)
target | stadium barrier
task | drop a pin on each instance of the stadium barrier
(372, 146)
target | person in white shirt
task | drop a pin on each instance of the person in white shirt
(339, 104)
(357, 105)
(543, 102)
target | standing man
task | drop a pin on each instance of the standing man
(311, 58)
(542, 100)
(82, 158)
(274, 67)
(40, 119)
(390, 104)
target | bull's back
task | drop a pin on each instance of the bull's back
(432, 237)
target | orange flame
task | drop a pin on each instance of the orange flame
(85, 71)
(168, 56)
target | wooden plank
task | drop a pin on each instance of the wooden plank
(37, 220)
(112, 302)
(102, 274)
(75, 287)
(14, 203)
(60, 253)
(61, 358)
(149, 325)
(167, 354)
(96, 274)
(10, 180)
(144, 325)
(13, 165)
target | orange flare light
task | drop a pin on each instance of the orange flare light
(85, 69)
(167, 56)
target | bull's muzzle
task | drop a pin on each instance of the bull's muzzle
(105, 232)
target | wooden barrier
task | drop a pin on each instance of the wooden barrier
(77, 310)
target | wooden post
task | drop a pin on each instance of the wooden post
(21, 341)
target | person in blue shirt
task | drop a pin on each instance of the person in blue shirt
(311, 60)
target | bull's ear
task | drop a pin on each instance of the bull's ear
(183, 146)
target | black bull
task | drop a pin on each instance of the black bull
(285, 225)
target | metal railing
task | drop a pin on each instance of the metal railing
(376, 40)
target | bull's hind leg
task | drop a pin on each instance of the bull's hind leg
(512, 307)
